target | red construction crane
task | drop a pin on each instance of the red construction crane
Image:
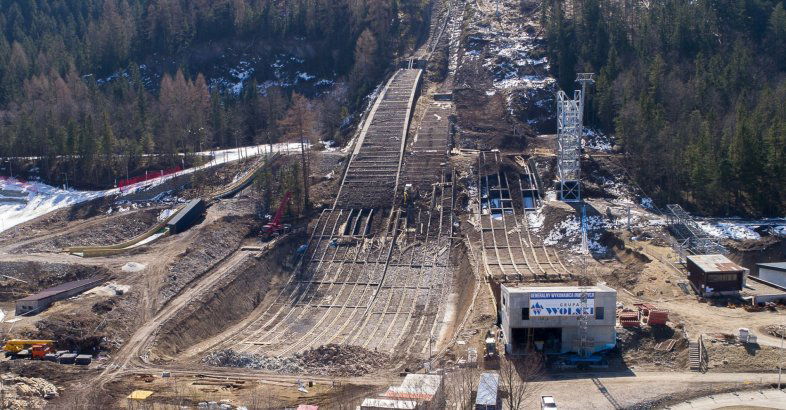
(274, 227)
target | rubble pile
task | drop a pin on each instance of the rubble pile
(26, 392)
(327, 360)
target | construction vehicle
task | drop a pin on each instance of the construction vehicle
(491, 348)
(36, 349)
(275, 227)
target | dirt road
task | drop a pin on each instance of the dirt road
(133, 353)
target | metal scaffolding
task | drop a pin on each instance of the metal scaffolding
(570, 127)
(689, 236)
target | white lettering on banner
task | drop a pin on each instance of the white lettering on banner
(560, 304)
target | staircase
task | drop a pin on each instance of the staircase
(694, 357)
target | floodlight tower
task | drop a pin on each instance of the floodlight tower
(570, 127)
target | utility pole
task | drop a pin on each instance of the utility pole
(780, 366)
(306, 171)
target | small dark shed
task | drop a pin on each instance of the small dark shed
(715, 275)
(187, 215)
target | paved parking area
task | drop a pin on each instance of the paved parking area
(764, 399)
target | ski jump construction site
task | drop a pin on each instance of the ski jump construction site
(372, 272)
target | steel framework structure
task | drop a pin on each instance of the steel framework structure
(570, 127)
(689, 235)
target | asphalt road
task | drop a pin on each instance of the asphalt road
(773, 398)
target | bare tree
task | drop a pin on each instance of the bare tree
(517, 378)
(301, 126)
(459, 385)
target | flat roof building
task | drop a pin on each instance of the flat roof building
(772, 272)
(38, 302)
(715, 275)
(546, 318)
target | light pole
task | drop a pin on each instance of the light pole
(10, 167)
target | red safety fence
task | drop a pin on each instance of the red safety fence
(147, 177)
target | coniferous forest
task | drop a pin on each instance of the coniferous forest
(693, 91)
(97, 84)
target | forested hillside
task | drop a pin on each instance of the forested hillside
(694, 91)
(105, 81)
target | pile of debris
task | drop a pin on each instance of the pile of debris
(26, 392)
(775, 330)
(328, 360)
(661, 347)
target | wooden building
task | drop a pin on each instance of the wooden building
(715, 275)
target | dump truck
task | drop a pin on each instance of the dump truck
(37, 349)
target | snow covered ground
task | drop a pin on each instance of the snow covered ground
(40, 199)
(738, 230)
(568, 233)
(24, 200)
(729, 230)
(597, 141)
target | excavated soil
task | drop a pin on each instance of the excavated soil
(637, 348)
(113, 229)
(768, 249)
(477, 318)
(36, 276)
(56, 220)
(732, 357)
(230, 301)
(78, 332)
(631, 264)
(217, 240)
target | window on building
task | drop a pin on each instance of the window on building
(524, 313)
(599, 313)
(503, 300)
(721, 277)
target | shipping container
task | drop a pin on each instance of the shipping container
(186, 216)
(68, 358)
(83, 359)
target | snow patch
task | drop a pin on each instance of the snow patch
(166, 213)
(596, 140)
(729, 230)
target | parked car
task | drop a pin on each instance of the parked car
(547, 403)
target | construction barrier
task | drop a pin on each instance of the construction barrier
(147, 177)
